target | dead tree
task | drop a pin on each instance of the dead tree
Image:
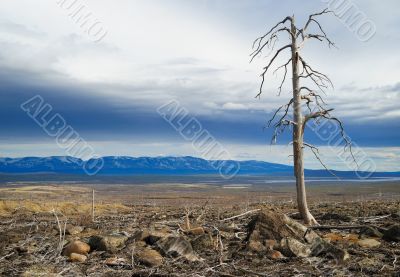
(303, 96)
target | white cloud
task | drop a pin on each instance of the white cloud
(234, 106)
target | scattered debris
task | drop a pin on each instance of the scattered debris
(392, 234)
(149, 241)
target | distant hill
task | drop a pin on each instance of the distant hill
(123, 165)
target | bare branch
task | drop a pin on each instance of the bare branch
(348, 143)
(311, 72)
(315, 115)
(314, 94)
(311, 18)
(315, 151)
(268, 43)
(320, 38)
(286, 106)
(322, 81)
(268, 66)
(284, 76)
(260, 39)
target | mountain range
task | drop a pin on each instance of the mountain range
(124, 165)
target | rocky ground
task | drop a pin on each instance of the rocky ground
(202, 240)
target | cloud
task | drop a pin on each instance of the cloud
(195, 52)
(234, 106)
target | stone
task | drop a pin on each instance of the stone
(294, 248)
(149, 257)
(275, 255)
(368, 243)
(368, 231)
(77, 247)
(256, 246)
(110, 243)
(74, 257)
(270, 224)
(392, 234)
(396, 215)
(202, 242)
(320, 247)
(73, 230)
(177, 247)
(150, 237)
(271, 244)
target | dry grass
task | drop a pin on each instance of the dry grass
(9, 207)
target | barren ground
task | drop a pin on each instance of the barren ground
(30, 243)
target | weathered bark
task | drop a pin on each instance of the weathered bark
(298, 135)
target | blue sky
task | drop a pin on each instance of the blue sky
(196, 52)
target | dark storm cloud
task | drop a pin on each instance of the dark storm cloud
(99, 117)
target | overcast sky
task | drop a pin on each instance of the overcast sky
(195, 52)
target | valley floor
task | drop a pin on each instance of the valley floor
(134, 225)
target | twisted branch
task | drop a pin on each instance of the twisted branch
(268, 66)
(315, 151)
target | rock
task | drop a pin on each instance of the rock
(256, 246)
(271, 224)
(271, 244)
(177, 247)
(150, 237)
(321, 247)
(77, 247)
(368, 243)
(202, 242)
(392, 234)
(149, 257)
(370, 232)
(294, 248)
(275, 255)
(114, 261)
(395, 215)
(73, 230)
(110, 243)
(196, 231)
(74, 257)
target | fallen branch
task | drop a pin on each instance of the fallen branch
(339, 227)
(373, 218)
(240, 215)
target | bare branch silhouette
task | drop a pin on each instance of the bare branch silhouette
(302, 95)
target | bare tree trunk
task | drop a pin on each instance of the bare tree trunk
(298, 135)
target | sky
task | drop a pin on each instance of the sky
(107, 83)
